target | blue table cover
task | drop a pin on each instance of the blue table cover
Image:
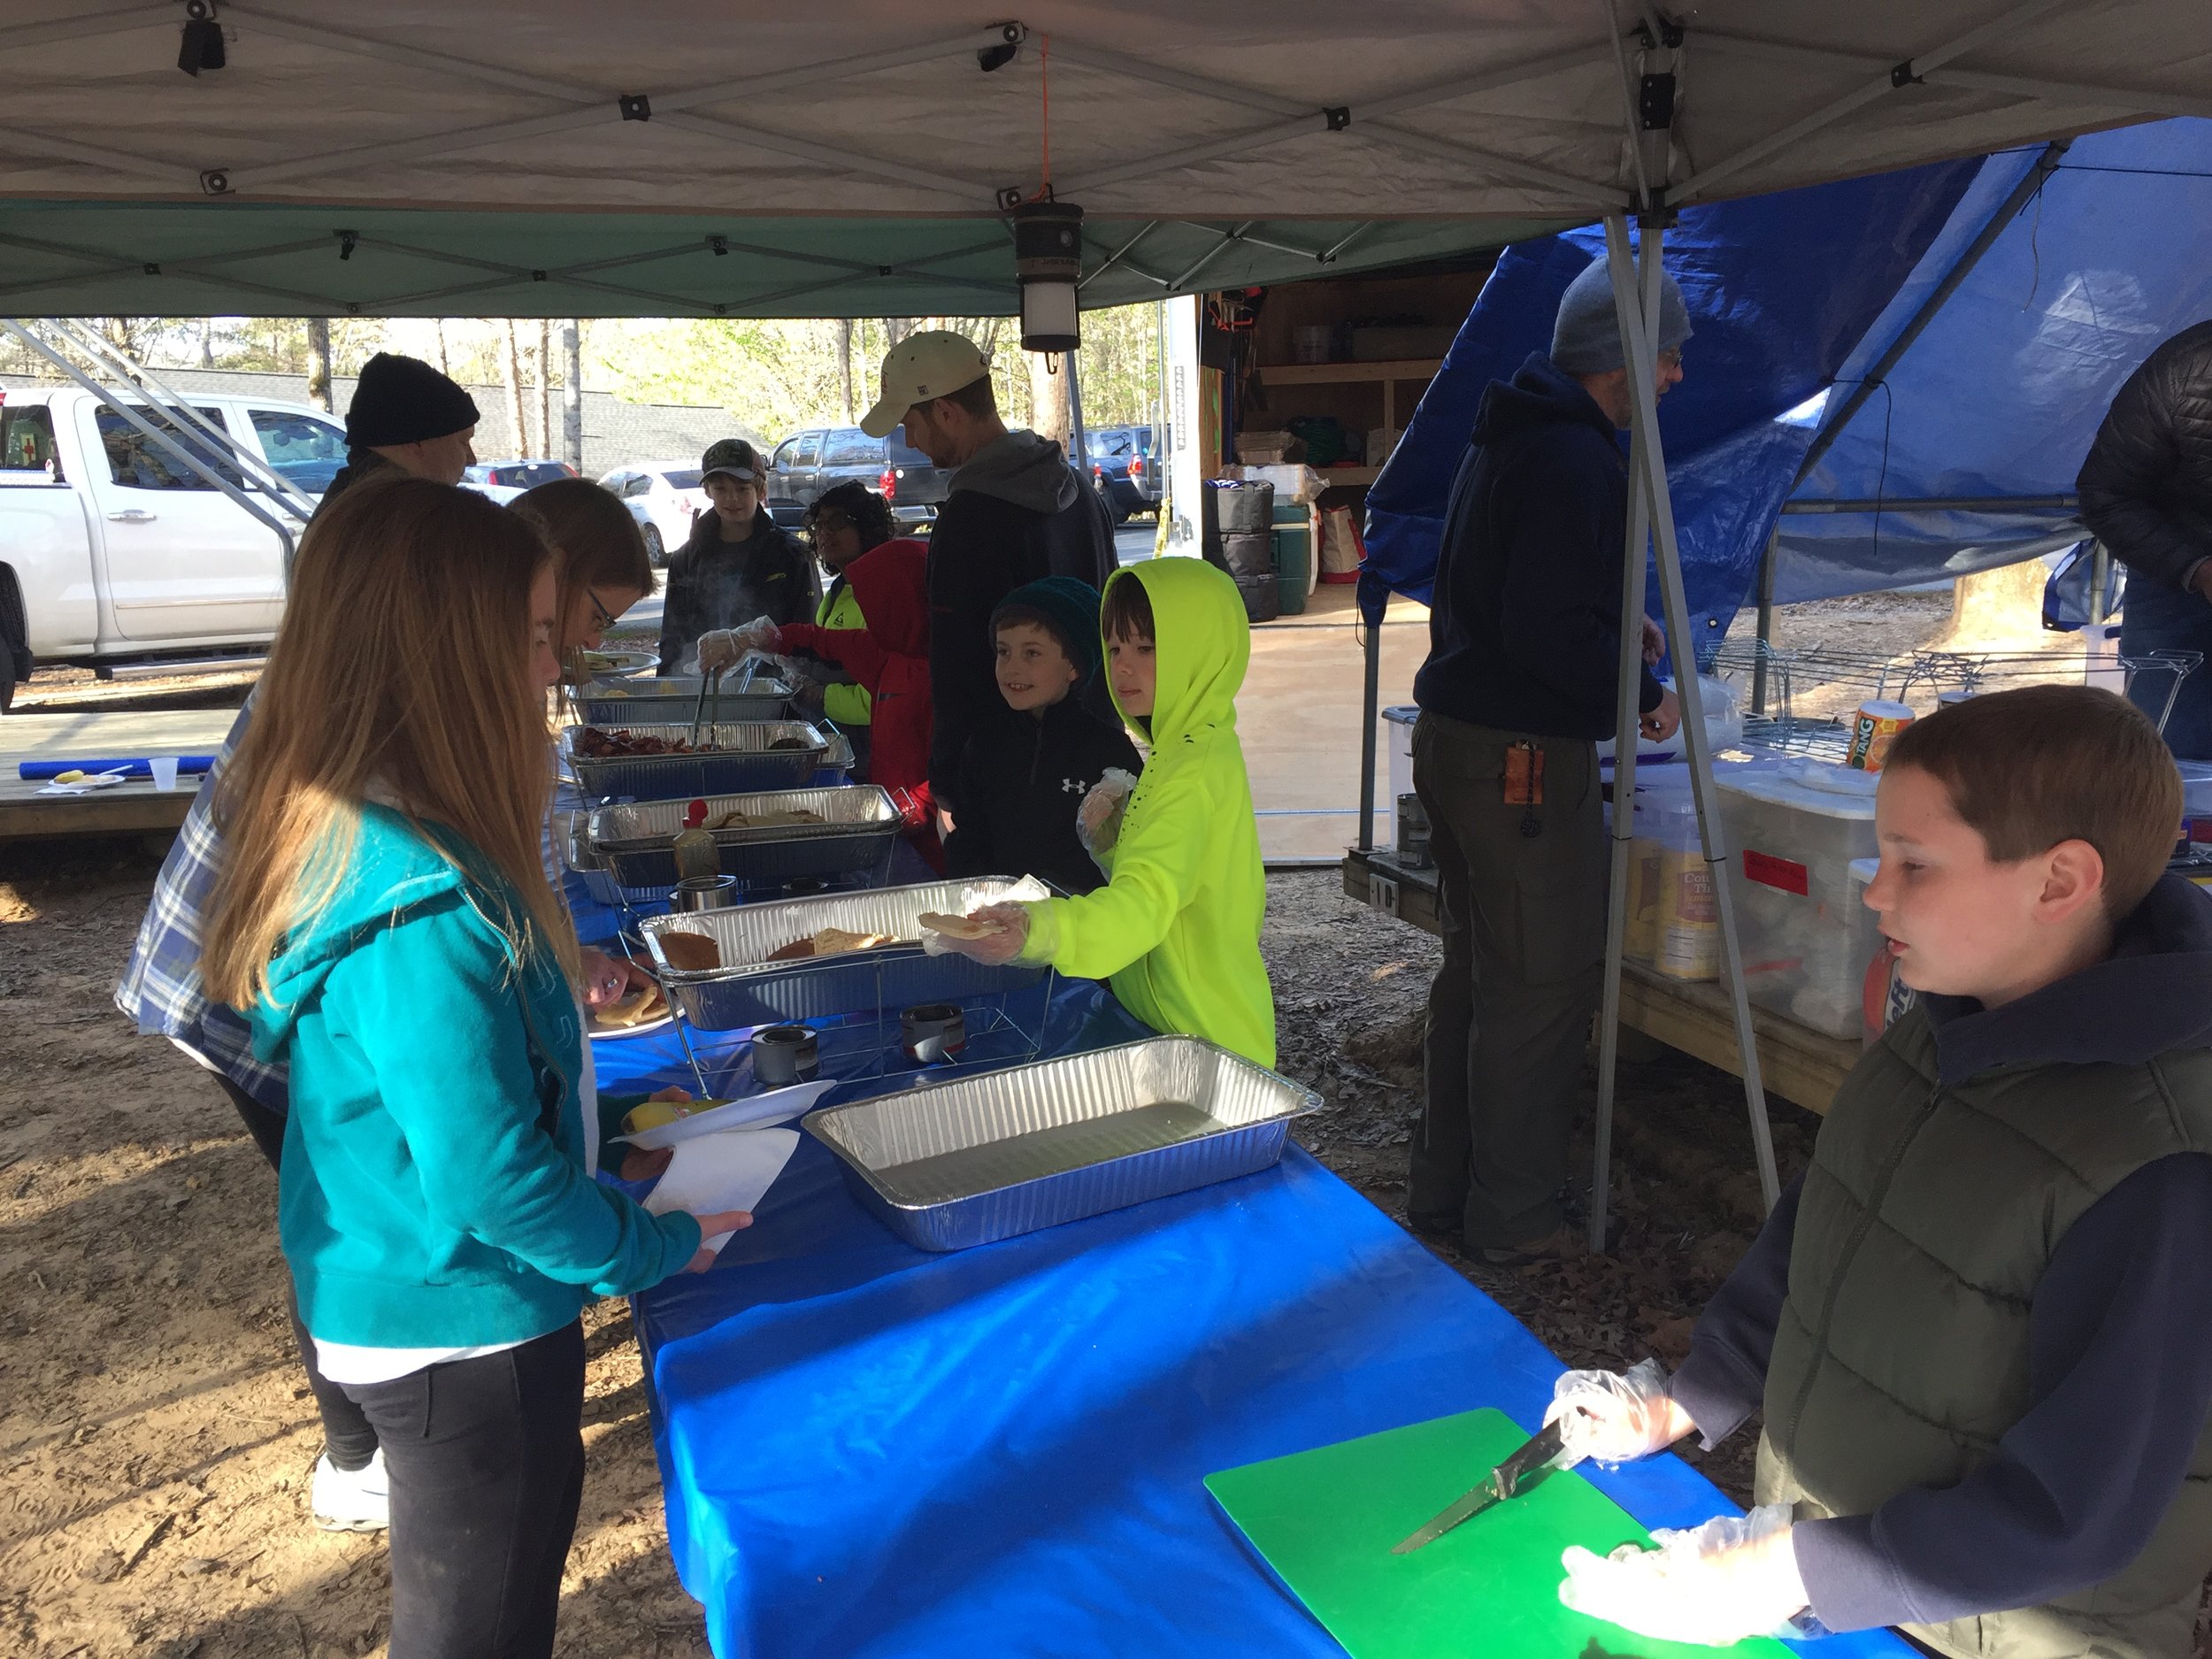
(869, 1449)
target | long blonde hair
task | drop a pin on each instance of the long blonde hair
(403, 668)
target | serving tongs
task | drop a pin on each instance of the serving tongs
(711, 691)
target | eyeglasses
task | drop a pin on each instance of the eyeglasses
(1671, 359)
(831, 526)
(607, 619)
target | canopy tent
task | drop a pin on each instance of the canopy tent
(1821, 338)
(884, 124)
(854, 157)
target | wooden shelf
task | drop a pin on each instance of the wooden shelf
(1349, 475)
(1348, 373)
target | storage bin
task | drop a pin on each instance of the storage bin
(1883, 996)
(1397, 737)
(2196, 801)
(1793, 834)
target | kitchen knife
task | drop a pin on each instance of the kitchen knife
(1505, 1481)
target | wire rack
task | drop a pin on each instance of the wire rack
(1801, 701)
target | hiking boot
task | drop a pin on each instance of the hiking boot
(354, 1501)
(1566, 1245)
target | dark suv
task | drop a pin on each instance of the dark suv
(808, 463)
(1127, 466)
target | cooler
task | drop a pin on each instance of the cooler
(1293, 563)
(1793, 834)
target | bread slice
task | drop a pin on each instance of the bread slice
(830, 942)
(634, 1010)
(692, 953)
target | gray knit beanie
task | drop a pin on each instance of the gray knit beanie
(1586, 339)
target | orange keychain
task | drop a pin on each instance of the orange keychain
(1523, 775)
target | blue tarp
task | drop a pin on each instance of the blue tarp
(871, 1450)
(1793, 292)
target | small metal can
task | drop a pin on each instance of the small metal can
(704, 893)
(784, 1054)
(931, 1031)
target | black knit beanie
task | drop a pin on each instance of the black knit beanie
(403, 400)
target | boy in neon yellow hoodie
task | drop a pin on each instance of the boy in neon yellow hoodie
(1176, 929)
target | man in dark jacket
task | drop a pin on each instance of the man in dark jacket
(1520, 683)
(739, 565)
(2146, 494)
(406, 415)
(1016, 512)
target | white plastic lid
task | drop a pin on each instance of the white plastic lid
(1864, 869)
(1811, 786)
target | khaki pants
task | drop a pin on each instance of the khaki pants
(1524, 914)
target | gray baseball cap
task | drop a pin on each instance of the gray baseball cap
(735, 457)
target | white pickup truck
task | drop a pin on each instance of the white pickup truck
(113, 552)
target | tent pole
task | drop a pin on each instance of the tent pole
(1626, 729)
(1766, 620)
(1371, 702)
(1651, 461)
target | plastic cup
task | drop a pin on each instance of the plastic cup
(164, 768)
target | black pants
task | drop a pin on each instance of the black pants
(1523, 913)
(347, 1435)
(486, 1458)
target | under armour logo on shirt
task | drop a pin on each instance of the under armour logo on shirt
(1073, 786)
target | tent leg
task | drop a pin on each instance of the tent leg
(1627, 720)
(1649, 459)
(1371, 706)
(1766, 619)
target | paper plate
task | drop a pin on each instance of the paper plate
(613, 1032)
(775, 1107)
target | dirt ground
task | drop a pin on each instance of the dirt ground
(157, 1438)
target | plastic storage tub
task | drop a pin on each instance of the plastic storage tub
(1398, 743)
(1293, 565)
(1807, 938)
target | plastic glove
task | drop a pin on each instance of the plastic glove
(1098, 820)
(721, 647)
(1614, 1417)
(1734, 1577)
(992, 950)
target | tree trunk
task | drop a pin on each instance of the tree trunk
(896, 329)
(207, 343)
(1048, 397)
(845, 366)
(318, 362)
(511, 366)
(545, 387)
(444, 366)
(573, 393)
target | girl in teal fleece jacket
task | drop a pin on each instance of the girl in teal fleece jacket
(384, 923)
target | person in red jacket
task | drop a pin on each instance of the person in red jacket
(890, 656)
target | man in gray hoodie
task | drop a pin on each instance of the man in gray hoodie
(1017, 513)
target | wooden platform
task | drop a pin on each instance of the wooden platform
(129, 809)
(1800, 1064)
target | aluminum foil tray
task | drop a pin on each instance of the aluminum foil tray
(746, 761)
(672, 700)
(1003, 1153)
(860, 826)
(748, 989)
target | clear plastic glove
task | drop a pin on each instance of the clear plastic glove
(1614, 1417)
(1098, 820)
(721, 647)
(1734, 1577)
(993, 948)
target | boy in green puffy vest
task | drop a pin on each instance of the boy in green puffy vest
(1981, 1324)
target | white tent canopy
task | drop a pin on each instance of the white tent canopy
(573, 157)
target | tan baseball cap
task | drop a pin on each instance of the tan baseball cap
(920, 367)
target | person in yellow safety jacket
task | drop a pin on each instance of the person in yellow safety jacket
(1175, 931)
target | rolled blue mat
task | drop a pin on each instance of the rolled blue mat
(34, 770)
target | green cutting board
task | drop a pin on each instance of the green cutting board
(1324, 1520)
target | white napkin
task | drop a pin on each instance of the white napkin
(731, 1169)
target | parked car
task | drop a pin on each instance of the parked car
(808, 463)
(663, 496)
(503, 481)
(1126, 466)
(111, 550)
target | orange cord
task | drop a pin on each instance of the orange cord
(1044, 77)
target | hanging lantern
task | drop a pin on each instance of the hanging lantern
(1048, 259)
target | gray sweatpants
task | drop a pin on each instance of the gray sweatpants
(1524, 913)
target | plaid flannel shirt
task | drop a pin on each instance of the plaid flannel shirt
(161, 988)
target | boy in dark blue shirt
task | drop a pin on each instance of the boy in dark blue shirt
(1025, 773)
